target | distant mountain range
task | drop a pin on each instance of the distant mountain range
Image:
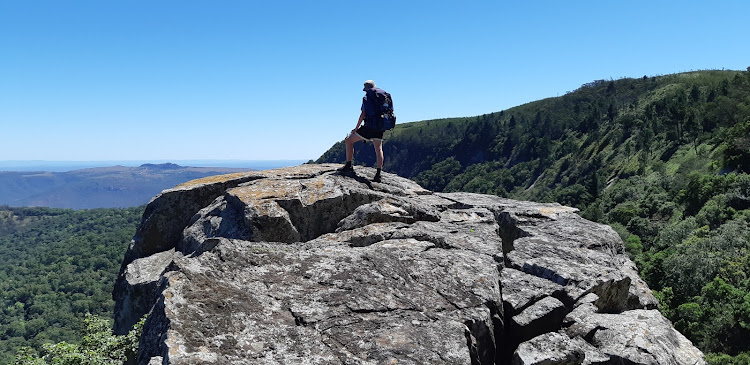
(100, 187)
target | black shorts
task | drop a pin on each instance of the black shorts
(369, 133)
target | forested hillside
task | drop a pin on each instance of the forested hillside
(664, 160)
(57, 265)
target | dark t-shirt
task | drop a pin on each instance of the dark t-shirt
(369, 108)
(367, 131)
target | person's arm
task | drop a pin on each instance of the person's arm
(359, 121)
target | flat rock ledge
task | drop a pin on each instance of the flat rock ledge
(304, 266)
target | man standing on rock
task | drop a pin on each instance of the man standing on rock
(367, 133)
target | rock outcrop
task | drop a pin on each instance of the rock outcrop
(304, 266)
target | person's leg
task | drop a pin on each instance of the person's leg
(378, 144)
(349, 141)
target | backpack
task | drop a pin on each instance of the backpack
(379, 112)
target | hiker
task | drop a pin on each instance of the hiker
(370, 131)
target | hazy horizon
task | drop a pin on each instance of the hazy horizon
(63, 165)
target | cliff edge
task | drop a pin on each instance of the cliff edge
(304, 266)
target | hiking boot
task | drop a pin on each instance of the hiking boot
(346, 170)
(376, 178)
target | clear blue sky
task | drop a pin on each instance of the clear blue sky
(231, 79)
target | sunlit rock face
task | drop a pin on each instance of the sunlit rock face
(305, 266)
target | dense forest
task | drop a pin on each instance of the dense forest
(664, 160)
(57, 266)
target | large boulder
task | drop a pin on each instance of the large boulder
(303, 265)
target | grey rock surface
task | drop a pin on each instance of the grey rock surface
(304, 266)
(549, 348)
